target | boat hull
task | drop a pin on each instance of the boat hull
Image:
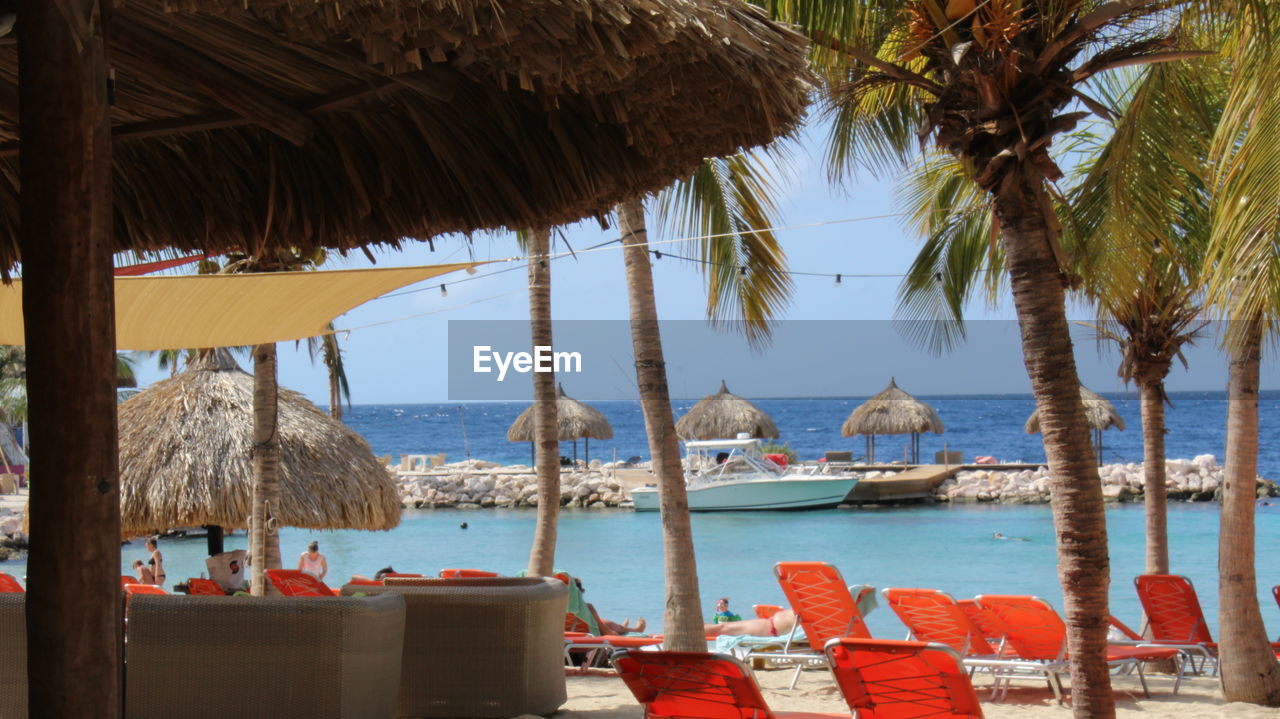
(757, 495)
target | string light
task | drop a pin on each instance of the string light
(657, 254)
(742, 271)
(443, 292)
(837, 279)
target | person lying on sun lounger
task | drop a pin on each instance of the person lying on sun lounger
(377, 576)
(778, 625)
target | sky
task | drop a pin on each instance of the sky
(833, 341)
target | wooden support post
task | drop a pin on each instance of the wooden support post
(73, 574)
(214, 539)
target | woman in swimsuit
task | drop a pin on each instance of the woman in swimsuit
(313, 562)
(156, 562)
(778, 625)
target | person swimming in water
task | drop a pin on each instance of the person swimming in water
(1011, 539)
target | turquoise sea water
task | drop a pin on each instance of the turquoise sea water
(618, 553)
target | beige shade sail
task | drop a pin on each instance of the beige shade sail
(177, 312)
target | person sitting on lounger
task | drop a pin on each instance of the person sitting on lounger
(144, 572)
(778, 625)
(377, 576)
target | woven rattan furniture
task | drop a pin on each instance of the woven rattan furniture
(276, 657)
(480, 647)
(13, 647)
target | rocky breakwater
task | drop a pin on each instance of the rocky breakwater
(1191, 480)
(12, 541)
(476, 483)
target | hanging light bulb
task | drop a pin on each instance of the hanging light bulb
(472, 270)
(837, 279)
(657, 254)
(742, 271)
(443, 292)
(937, 277)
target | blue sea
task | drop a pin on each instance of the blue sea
(618, 552)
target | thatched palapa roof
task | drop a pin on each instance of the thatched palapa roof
(892, 411)
(344, 123)
(724, 415)
(1099, 413)
(574, 419)
(185, 458)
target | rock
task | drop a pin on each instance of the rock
(1112, 493)
(1205, 462)
(467, 505)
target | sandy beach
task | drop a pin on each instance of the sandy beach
(600, 696)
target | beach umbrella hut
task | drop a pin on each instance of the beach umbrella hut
(186, 458)
(575, 420)
(725, 415)
(892, 411)
(285, 125)
(1100, 414)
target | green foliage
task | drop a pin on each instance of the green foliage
(776, 447)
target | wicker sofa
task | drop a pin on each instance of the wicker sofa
(13, 669)
(278, 657)
(480, 648)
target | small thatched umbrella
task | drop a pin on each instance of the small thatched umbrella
(1099, 413)
(186, 458)
(893, 411)
(573, 419)
(724, 415)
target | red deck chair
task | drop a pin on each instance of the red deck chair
(205, 587)
(697, 685)
(132, 589)
(764, 611)
(9, 584)
(824, 608)
(463, 573)
(985, 621)
(126, 580)
(886, 679)
(294, 583)
(1038, 638)
(1174, 617)
(934, 616)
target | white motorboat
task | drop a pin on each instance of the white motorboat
(727, 475)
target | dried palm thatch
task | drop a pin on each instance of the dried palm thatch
(185, 458)
(574, 419)
(344, 123)
(725, 415)
(1100, 413)
(893, 411)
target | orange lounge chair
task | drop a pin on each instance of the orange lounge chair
(460, 574)
(205, 587)
(1038, 638)
(886, 679)
(295, 583)
(824, 608)
(984, 620)
(1175, 619)
(933, 616)
(126, 580)
(764, 611)
(697, 685)
(9, 584)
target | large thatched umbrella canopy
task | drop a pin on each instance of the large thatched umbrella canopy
(341, 123)
(892, 411)
(575, 420)
(186, 459)
(724, 415)
(1099, 413)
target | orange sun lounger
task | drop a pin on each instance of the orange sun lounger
(204, 587)
(294, 583)
(1038, 638)
(9, 584)
(1175, 618)
(934, 616)
(824, 608)
(887, 679)
(463, 573)
(697, 685)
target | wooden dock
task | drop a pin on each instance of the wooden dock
(918, 482)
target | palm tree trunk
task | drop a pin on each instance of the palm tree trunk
(73, 617)
(264, 543)
(1248, 666)
(682, 622)
(1076, 490)
(1153, 474)
(545, 432)
(333, 363)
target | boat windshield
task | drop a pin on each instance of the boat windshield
(732, 462)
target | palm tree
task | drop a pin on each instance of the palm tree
(545, 434)
(725, 202)
(988, 83)
(1244, 272)
(327, 348)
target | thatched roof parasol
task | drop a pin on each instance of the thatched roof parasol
(185, 458)
(344, 123)
(724, 415)
(574, 419)
(892, 411)
(1099, 413)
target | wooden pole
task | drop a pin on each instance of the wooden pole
(73, 600)
(214, 539)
